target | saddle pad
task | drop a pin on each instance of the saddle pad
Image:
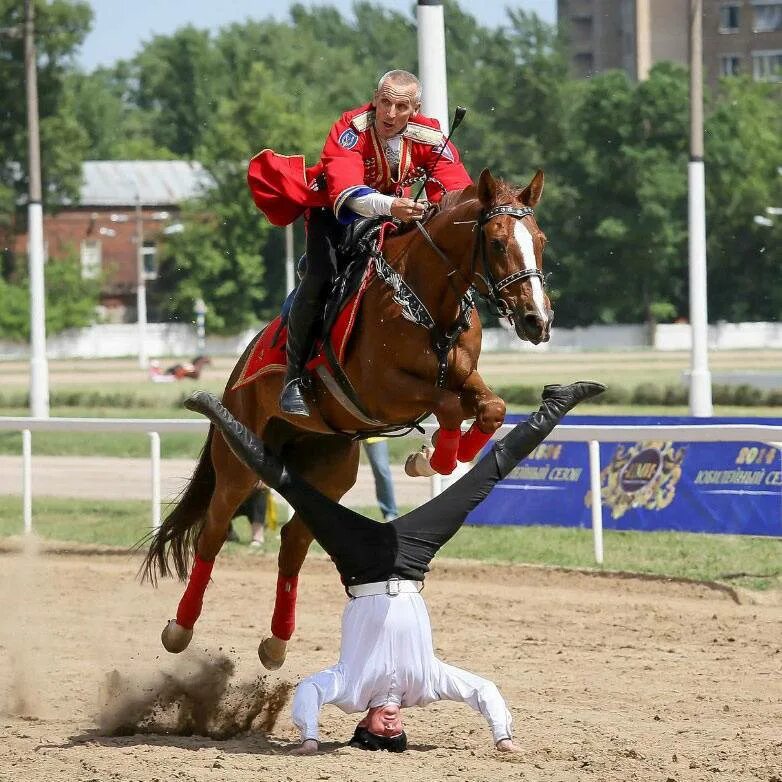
(268, 355)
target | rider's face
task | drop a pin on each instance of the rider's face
(394, 105)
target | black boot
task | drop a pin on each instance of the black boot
(248, 448)
(524, 438)
(302, 322)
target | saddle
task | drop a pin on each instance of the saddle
(361, 242)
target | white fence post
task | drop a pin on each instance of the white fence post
(27, 481)
(154, 447)
(597, 500)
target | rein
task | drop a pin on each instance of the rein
(414, 310)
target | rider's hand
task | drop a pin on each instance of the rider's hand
(406, 210)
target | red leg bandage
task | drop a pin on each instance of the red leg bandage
(284, 617)
(444, 457)
(190, 605)
(471, 443)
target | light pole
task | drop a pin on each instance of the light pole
(700, 377)
(431, 60)
(200, 312)
(141, 287)
(39, 368)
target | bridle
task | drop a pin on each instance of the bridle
(493, 288)
(493, 293)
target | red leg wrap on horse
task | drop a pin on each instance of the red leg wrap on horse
(284, 617)
(190, 605)
(471, 443)
(444, 458)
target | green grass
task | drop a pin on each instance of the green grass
(754, 563)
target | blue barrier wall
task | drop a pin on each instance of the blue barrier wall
(652, 485)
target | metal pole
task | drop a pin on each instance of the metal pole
(290, 271)
(431, 60)
(597, 499)
(700, 377)
(27, 481)
(141, 286)
(39, 368)
(200, 311)
(154, 446)
(643, 38)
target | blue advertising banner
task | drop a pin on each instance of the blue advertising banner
(716, 487)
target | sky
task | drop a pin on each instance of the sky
(120, 27)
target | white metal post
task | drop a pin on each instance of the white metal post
(154, 447)
(141, 286)
(39, 368)
(597, 500)
(27, 481)
(700, 377)
(431, 60)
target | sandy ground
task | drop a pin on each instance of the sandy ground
(607, 679)
(109, 478)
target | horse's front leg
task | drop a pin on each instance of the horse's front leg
(446, 407)
(233, 483)
(479, 402)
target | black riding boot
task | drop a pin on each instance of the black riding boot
(302, 322)
(323, 236)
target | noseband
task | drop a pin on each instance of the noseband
(493, 288)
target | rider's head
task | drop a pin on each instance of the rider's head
(397, 98)
(381, 728)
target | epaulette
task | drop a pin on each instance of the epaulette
(423, 134)
(362, 121)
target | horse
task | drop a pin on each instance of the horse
(484, 238)
(191, 371)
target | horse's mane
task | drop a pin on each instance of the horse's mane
(505, 194)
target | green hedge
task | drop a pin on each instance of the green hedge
(90, 398)
(653, 394)
(643, 394)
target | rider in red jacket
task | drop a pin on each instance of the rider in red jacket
(370, 161)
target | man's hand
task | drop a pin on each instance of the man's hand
(308, 747)
(507, 745)
(407, 210)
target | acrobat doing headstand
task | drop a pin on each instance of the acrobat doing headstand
(387, 658)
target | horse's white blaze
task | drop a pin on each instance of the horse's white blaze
(524, 240)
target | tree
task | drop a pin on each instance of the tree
(620, 241)
(60, 26)
(743, 164)
(70, 301)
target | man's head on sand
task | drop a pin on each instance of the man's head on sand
(381, 728)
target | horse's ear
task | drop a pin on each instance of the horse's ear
(531, 194)
(487, 188)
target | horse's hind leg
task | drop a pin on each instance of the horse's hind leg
(232, 484)
(330, 464)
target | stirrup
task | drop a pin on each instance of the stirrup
(291, 399)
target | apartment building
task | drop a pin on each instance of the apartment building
(739, 36)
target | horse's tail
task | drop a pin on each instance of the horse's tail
(176, 538)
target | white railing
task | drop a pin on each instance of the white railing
(593, 435)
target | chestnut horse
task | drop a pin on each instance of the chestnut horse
(484, 237)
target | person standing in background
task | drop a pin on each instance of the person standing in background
(376, 449)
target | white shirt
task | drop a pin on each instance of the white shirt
(377, 204)
(387, 657)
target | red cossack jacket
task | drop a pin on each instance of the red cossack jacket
(353, 163)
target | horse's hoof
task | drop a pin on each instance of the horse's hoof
(272, 653)
(175, 638)
(417, 464)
